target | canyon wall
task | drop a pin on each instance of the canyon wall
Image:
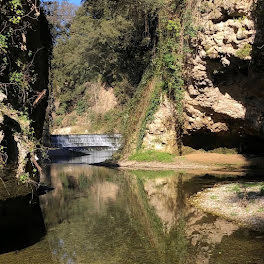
(224, 95)
(25, 50)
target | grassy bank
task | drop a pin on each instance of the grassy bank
(152, 155)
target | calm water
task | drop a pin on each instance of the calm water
(97, 215)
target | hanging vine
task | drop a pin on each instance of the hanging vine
(174, 32)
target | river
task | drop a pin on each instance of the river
(97, 215)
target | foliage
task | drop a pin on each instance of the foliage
(152, 155)
(151, 110)
(59, 15)
(58, 121)
(80, 107)
(129, 119)
(18, 68)
(173, 45)
(107, 40)
(111, 43)
(174, 34)
(24, 177)
(106, 123)
(245, 51)
(24, 56)
(262, 190)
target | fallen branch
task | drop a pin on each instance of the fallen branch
(41, 95)
(34, 161)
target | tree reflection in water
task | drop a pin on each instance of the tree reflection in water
(98, 215)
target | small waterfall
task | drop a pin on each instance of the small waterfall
(107, 141)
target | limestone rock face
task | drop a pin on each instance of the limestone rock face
(224, 95)
(160, 134)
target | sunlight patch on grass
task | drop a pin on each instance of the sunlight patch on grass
(152, 155)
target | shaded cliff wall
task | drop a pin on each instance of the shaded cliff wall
(25, 48)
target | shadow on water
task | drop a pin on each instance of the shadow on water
(74, 156)
(21, 223)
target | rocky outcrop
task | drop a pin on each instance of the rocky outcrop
(24, 54)
(160, 133)
(224, 97)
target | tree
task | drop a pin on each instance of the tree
(59, 15)
(108, 39)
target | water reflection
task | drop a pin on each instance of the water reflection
(58, 156)
(98, 215)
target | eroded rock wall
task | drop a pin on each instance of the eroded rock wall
(24, 73)
(224, 97)
(160, 133)
(224, 100)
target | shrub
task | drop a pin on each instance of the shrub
(262, 190)
(62, 109)
(58, 121)
(81, 107)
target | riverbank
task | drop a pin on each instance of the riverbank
(242, 203)
(201, 160)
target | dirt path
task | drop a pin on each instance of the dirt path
(179, 164)
(217, 159)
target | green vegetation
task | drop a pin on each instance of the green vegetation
(213, 197)
(152, 155)
(107, 41)
(151, 110)
(244, 52)
(166, 71)
(108, 122)
(242, 189)
(109, 44)
(236, 188)
(24, 56)
(224, 151)
(19, 70)
(153, 174)
(262, 190)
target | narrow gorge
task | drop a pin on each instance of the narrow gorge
(132, 131)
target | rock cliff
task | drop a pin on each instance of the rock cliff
(24, 53)
(224, 96)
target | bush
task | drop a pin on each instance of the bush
(62, 109)
(81, 107)
(262, 190)
(58, 121)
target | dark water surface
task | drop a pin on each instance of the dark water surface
(97, 215)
